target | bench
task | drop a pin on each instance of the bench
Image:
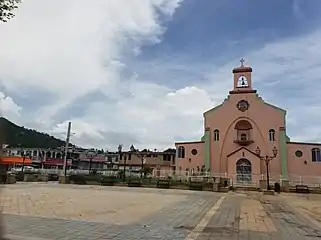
(134, 183)
(78, 179)
(163, 183)
(196, 185)
(302, 189)
(107, 181)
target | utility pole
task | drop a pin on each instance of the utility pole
(66, 149)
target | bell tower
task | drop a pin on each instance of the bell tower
(242, 79)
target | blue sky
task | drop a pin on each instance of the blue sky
(131, 66)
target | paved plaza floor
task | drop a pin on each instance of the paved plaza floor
(39, 211)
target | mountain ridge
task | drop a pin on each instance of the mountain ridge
(14, 135)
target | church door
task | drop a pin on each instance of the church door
(243, 170)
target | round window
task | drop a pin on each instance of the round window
(194, 151)
(298, 153)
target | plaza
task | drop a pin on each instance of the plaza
(49, 211)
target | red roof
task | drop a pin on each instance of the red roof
(55, 161)
(95, 159)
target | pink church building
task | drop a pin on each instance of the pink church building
(235, 130)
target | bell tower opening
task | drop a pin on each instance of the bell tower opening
(243, 133)
(242, 79)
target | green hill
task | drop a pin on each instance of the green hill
(17, 136)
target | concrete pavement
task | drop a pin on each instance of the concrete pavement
(50, 212)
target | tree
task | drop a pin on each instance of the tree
(6, 9)
(147, 171)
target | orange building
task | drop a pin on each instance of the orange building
(14, 160)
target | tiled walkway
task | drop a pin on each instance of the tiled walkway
(55, 212)
(52, 212)
(270, 217)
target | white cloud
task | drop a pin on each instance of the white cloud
(74, 47)
(149, 118)
(8, 108)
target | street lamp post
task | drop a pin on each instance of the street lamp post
(91, 155)
(267, 160)
(120, 148)
(23, 155)
(66, 149)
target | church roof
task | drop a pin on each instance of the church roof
(239, 149)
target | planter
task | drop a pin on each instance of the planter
(43, 177)
(208, 186)
(30, 177)
(196, 185)
(162, 183)
(134, 183)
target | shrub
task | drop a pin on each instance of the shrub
(78, 179)
(20, 176)
(53, 177)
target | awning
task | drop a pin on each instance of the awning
(15, 160)
(56, 161)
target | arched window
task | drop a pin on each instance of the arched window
(48, 154)
(216, 135)
(58, 155)
(272, 135)
(243, 170)
(243, 125)
(181, 152)
(316, 155)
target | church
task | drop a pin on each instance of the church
(242, 134)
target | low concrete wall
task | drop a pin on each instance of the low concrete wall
(11, 179)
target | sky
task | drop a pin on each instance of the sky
(142, 72)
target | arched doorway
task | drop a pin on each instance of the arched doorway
(243, 170)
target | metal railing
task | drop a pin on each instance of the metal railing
(235, 179)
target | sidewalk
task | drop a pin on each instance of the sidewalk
(244, 217)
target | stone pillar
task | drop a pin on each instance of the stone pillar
(285, 185)
(215, 187)
(224, 182)
(262, 185)
(64, 179)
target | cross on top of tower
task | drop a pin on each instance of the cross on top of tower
(242, 62)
